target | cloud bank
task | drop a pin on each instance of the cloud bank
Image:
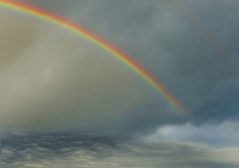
(72, 150)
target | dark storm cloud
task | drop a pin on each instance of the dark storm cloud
(71, 150)
(54, 80)
(60, 81)
(191, 46)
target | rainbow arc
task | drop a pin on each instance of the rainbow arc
(118, 54)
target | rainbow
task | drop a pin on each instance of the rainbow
(121, 56)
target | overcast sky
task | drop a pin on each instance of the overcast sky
(189, 45)
(54, 79)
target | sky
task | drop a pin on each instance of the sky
(190, 46)
(52, 79)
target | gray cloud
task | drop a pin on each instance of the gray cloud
(72, 150)
(191, 46)
(178, 43)
(21, 37)
(52, 79)
(59, 81)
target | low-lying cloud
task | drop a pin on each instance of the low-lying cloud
(225, 134)
(73, 150)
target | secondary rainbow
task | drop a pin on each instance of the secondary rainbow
(121, 56)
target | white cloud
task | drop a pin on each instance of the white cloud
(215, 134)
